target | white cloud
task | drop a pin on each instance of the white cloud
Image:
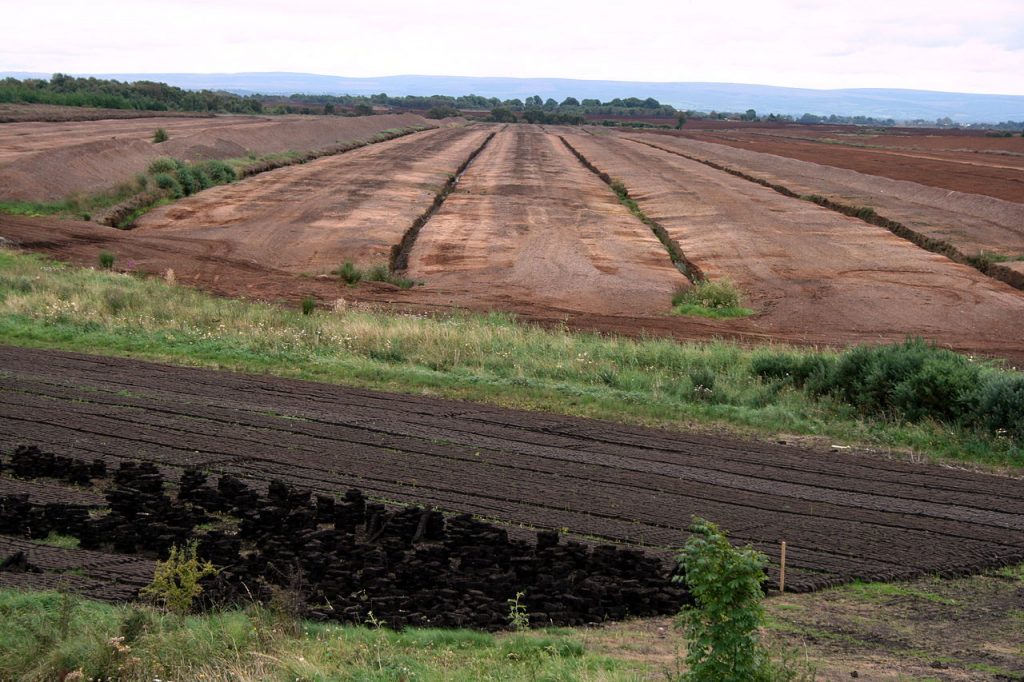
(974, 47)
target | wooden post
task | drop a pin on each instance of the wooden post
(782, 567)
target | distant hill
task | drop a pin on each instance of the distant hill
(878, 102)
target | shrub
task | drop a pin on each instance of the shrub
(168, 182)
(187, 179)
(160, 136)
(1001, 405)
(202, 179)
(308, 305)
(377, 273)
(349, 273)
(164, 164)
(220, 172)
(799, 370)
(711, 295)
(176, 581)
(722, 625)
(106, 260)
(710, 299)
(518, 617)
(912, 381)
(703, 379)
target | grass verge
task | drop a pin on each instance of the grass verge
(484, 358)
(55, 636)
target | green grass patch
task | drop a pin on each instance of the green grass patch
(719, 300)
(352, 274)
(986, 259)
(58, 540)
(486, 358)
(47, 635)
(80, 206)
(889, 591)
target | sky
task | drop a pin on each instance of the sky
(950, 45)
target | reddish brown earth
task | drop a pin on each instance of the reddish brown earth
(973, 223)
(529, 230)
(21, 113)
(311, 218)
(529, 223)
(41, 161)
(993, 167)
(844, 516)
(810, 273)
(906, 139)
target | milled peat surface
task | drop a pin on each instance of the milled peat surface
(811, 273)
(987, 166)
(844, 516)
(313, 217)
(46, 161)
(529, 230)
(528, 223)
(972, 217)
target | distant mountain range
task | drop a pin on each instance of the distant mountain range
(875, 102)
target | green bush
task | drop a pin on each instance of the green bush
(160, 136)
(910, 381)
(308, 305)
(721, 627)
(1001, 405)
(799, 370)
(719, 299)
(703, 379)
(106, 260)
(168, 182)
(219, 172)
(377, 273)
(711, 295)
(202, 179)
(187, 178)
(349, 273)
(164, 164)
(176, 581)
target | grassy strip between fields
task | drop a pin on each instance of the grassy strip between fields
(485, 358)
(56, 636)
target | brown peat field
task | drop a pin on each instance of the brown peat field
(434, 264)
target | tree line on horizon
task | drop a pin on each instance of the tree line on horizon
(65, 90)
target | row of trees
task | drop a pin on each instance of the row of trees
(66, 90)
(112, 94)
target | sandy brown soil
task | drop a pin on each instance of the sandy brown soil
(810, 272)
(313, 217)
(944, 162)
(529, 223)
(46, 161)
(971, 222)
